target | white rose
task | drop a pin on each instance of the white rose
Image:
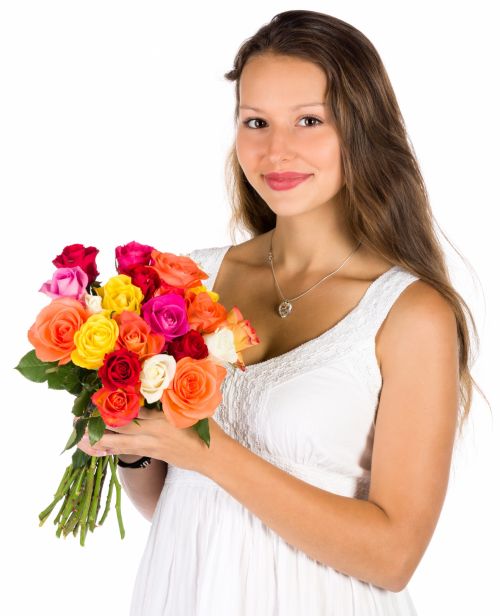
(156, 374)
(93, 303)
(221, 345)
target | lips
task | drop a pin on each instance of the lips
(285, 181)
(285, 176)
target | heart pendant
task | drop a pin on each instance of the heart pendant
(284, 308)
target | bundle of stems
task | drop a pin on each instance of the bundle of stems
(80, 491)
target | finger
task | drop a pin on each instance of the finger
(116, 444)
(86, 447)
(129, 428)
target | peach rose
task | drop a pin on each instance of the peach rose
(194, 392)
(244, 334)
(136, 335)
(54, 329)
(178, 271)
(204, 315)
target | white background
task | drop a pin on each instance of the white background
(115, 120)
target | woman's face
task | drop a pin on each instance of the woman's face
(289, 128)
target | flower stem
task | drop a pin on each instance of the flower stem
(108, 500)
(89, 485)
(59, 493)
(71, 523)
(58, 516)
(112, 464)
(100, 475)
(73, 498)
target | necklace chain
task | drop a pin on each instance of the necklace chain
(285, 307)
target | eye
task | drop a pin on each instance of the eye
(312, 118)
(247, 122)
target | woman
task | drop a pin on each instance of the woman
(330, 454)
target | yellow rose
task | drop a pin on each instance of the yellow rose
(119, 294)
(96, 337)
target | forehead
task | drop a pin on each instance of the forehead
(281, 82)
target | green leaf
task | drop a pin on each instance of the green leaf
(79, 459)
(77, 433)
(65, 377)
(33, 368)
(203, 430)
(89, 379)
(81, 403)
(96, 429)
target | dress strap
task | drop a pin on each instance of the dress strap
(386, 291)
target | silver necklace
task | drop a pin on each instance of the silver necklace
(285, 307)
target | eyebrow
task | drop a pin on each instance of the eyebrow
(294, 107)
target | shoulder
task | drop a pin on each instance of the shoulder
(420, 316)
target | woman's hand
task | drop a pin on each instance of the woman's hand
(156, 437)
(86, 447)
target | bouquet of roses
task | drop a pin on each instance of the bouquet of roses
(153, 333)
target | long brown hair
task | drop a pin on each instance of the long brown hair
(386, 201)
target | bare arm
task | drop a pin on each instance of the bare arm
(382, 539)
(143, 485)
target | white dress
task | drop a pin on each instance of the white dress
(310, 412)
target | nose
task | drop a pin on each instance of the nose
(279, 144)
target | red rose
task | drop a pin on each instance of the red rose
(191, 344)
(131, 255)
(146, 278)
(120, 369)
(77, 255)
(118, 407)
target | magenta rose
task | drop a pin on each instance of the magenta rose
(66, 282)
(77, 255)
(166, 315)
(146, 278)
(130, 255)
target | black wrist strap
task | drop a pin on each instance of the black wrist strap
(140, 463)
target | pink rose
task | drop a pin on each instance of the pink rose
(131, 255)
(66, 282)
(79, 255)
(167, 315)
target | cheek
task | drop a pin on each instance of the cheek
(326, 151)
(246, 148)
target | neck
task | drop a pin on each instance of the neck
(301, 248)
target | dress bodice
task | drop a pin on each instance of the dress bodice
(311, 410)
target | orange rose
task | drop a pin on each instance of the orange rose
(117, 407)
(136, 335)
(54, 329)
(244, 334)
(178, 271)
(204, 315)
(194, 392)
